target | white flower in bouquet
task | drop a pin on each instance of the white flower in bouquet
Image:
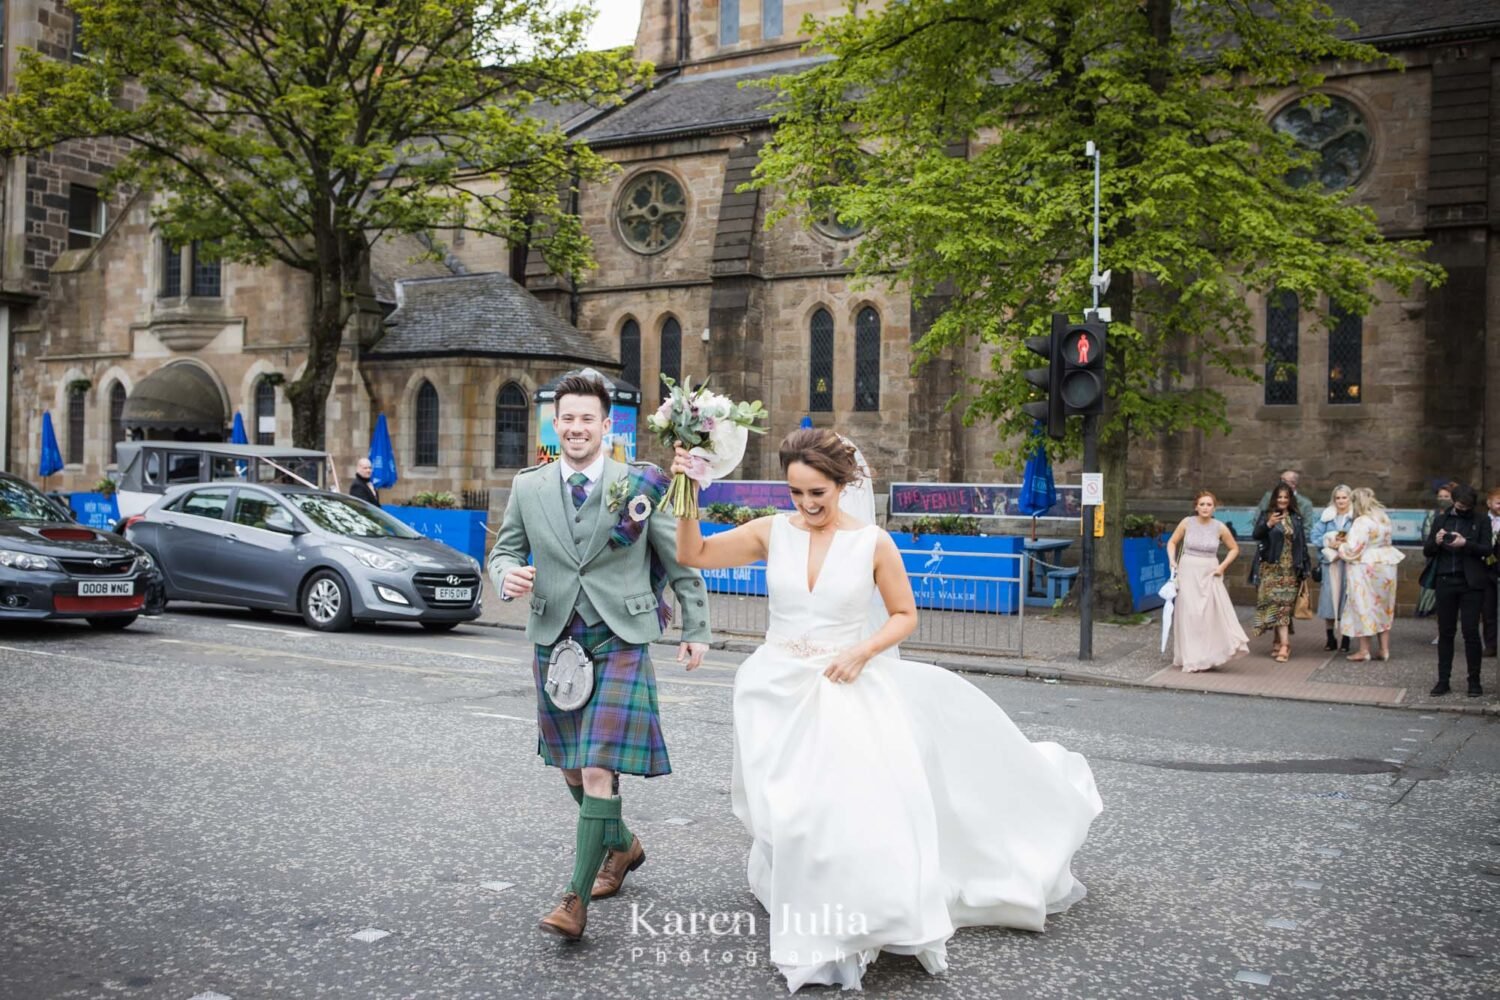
(713, 428)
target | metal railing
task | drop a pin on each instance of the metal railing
(959, 612)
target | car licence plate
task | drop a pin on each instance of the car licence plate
(454, 594)
(103, 588)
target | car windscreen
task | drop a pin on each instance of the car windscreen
(347, 516)
(23, 502)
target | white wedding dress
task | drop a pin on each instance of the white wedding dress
(889, 811)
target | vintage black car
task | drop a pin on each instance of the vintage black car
(53, 567)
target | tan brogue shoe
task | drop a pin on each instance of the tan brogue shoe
(617, 864)
(568, 919)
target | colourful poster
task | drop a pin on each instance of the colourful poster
(975, 500)
(620, 445)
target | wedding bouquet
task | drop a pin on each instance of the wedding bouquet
(713, 428)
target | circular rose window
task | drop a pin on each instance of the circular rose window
(652, 212)
(829, 225)
(1336, 135)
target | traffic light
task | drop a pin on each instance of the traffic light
(1080, 350)
(1049, 409)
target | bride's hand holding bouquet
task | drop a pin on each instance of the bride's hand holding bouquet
(708, 432)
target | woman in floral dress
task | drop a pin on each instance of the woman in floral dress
(1282, 563)
(1369, 576)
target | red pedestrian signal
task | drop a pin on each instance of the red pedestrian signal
(1082, 384)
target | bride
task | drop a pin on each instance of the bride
(889, 802)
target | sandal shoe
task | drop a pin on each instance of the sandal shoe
(1357, 658)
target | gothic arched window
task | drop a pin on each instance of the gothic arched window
(116, 418)
(671, 352)
(1281, 348)
(77, 425)
(820, 363)
(867, 360)
(630, 353)
(427, 425)
(1345, 355)
(512, 425)
(265, 412)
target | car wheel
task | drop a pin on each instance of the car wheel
(325, 602)
(440, 626)
(113, 624)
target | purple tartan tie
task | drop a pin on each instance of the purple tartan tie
(578, 481)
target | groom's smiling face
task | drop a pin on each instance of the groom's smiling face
(580, 424)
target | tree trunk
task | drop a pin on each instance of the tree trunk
(309, 393)
(343, 271)
(1111, 586)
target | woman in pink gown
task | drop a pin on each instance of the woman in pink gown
(1205, 630)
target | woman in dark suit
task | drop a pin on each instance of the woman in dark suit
(1282, 562)
(1458, 544)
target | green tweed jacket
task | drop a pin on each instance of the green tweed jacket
(571, 552)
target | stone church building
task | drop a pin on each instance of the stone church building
(116, 334)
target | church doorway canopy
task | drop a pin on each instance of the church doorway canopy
(180, 400)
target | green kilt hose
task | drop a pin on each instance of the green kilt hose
(619, 728)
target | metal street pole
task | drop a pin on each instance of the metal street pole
(1090, 464)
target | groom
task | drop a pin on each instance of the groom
(602, 559)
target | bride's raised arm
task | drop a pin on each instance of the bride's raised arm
(742, 546)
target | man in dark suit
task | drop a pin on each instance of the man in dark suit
(1460, 541)
(362, 488)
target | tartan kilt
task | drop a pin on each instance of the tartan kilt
(619, 729)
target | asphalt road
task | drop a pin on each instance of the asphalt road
(212, 803)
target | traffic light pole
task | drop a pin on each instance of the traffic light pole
(1086, 560)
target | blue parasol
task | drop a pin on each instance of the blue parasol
(51, 454)
(237, 436)
(382, 457)
(1038, 493)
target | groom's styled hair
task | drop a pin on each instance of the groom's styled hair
(822, 449)
(583, 384)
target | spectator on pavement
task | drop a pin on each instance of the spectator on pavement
(1328, 533)
(1281, 565)
(361, 488)
(1205, 630)
(1427, 597)
(1492, 503)
(1304, 506)
(1460, 542)
(1370, 562)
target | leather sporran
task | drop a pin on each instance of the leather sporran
(570, 676)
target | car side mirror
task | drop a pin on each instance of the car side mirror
(280, 520)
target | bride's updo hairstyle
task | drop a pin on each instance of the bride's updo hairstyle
(822, 449)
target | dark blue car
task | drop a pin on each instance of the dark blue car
(53, 567)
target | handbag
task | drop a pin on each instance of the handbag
(1303, 608)
(570, 676)
(1317, 572)
(1254, 578)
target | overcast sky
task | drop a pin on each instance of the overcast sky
(616, 23)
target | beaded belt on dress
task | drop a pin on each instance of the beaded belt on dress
(801, 646)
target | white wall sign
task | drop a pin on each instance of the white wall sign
(1093, 489)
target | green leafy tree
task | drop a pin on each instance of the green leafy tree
(301, 131)
(955, 131)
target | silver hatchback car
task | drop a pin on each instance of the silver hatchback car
(331, 558)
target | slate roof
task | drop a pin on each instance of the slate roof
(1381, 19)
(395, 258)
(697, 103)
(486, 315)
